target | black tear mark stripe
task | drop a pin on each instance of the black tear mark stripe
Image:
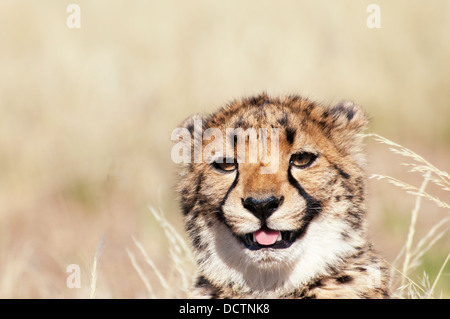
(220, 211)
(313, 206)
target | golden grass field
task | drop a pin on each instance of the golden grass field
(86, 116)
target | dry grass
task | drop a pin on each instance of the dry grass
(402, 284)
(181, 262)
(86, 117)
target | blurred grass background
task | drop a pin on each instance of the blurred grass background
(86, 116)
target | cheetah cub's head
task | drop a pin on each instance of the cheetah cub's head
(272, 190)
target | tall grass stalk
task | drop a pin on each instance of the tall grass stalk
(439, 275)
(94, 269)
(412, 226)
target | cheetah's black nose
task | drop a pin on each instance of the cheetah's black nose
(262, 208)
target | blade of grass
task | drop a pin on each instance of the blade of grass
(439, 274)
(151, 264)
(141, 274)
(412, 226)
(98, 252)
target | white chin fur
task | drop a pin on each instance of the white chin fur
(268, 269)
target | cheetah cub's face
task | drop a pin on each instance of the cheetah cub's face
(273, 191)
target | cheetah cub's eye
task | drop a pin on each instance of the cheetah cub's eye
(224, 167)
(302, 160)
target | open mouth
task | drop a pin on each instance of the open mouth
(268, 238)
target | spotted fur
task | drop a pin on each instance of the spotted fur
(323, 207)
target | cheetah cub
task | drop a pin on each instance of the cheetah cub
(273, 195)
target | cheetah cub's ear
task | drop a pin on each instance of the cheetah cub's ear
(350, 116)
(349, 121)
(193, 123)
(188, 138)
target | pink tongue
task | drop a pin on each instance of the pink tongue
(266, 236)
